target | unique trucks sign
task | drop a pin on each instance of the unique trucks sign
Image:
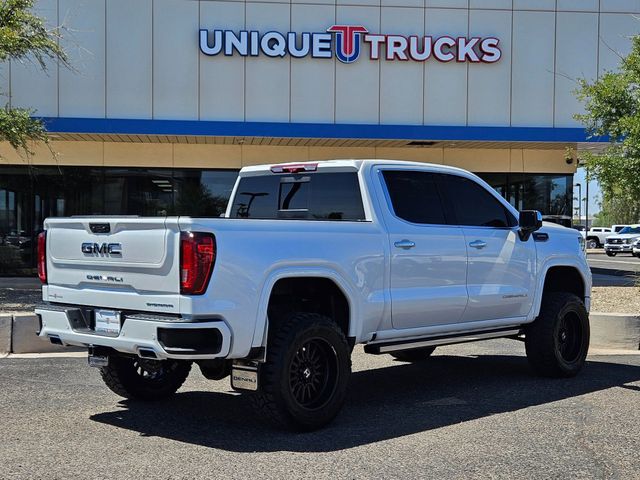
(346, 42)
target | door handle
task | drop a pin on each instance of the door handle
(478, 244)
(406, 244)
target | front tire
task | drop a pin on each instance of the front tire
(414, 354)
(142, 379)
(558, 340)
(303, 383)
(593, 243)
(611, 254)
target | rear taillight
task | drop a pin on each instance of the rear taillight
(197, 257)
(42, 256)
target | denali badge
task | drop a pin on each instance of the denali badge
(105, 278)
(244, 377)
(103, 249)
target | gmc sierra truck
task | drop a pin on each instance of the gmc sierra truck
(309, 260)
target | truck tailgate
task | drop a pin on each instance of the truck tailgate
(119, 262)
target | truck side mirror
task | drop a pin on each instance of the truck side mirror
(529, 221)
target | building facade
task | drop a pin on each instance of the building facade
(167, 99)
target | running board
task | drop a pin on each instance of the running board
(434, 341)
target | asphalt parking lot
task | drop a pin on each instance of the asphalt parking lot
(620, 264)
(471, 411)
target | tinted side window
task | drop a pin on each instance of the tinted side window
(314, 196)
(414, 196)
(472, 205)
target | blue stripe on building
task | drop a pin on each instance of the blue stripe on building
(317, 130)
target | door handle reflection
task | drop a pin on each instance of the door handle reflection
(406, 244)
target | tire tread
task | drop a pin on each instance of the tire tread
(539, 336)
(265, 401)
(115, 378)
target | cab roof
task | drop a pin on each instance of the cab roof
(337, 165)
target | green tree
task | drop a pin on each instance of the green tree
(612, 105)
(24, 37)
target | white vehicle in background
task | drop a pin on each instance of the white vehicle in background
(636, 248)
(623, 241)
(310, 260)
(596, 236)
(617, 228)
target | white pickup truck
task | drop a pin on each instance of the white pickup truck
(310, 260)
(597, 236)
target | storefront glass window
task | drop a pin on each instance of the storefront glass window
(550, 194)
(28, 195)
(202, 193)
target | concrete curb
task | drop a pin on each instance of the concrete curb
(615, 330)
(6, 327)
(18, 333)
(24, 339)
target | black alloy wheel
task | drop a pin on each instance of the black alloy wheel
(569, 337)
(313, 374)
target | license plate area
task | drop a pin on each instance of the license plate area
(107, 322)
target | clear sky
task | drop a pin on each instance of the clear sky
(594, 192)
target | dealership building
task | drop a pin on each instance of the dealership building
(166, 100)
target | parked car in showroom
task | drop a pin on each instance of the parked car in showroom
(596, 236)
(623, 241)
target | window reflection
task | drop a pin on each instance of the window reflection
(202, 193)
(550, 194)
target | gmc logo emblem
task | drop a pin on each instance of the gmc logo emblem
(102, 249)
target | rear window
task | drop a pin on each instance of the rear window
(308, 196)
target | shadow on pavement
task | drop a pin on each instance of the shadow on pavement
(614, 280)
(384, 403)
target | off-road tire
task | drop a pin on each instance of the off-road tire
(558, 340)
(280, 377)
(127, 377)
(414, 354)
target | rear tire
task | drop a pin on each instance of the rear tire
(303, 383)
(592, 243)
(413, 355)
(142, 379)
(558, 340)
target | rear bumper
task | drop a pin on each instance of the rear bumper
(166, 337)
